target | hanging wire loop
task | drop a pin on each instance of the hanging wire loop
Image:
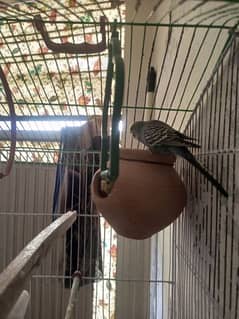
(110, 173)
(13, 124)
(81, 48)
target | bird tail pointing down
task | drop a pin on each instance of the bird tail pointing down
(186, 154)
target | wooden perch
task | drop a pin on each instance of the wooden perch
(13, 278)
(73, 296)
(20, 308)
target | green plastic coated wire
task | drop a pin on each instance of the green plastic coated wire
(109, 174)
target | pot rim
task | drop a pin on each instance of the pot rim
(146, 156)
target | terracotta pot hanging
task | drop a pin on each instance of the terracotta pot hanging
(147, 196)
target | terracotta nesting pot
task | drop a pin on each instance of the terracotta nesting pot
(147, 196)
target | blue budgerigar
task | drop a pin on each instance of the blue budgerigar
(161, 138)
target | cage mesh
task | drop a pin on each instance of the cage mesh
(189, 270)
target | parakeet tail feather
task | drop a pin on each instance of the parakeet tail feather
(186, 154)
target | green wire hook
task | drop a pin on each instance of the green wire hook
(115, 63)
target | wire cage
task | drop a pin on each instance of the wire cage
(54, 57)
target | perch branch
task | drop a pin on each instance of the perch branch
(73, 295)
(14, 276)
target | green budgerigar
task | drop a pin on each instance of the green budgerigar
(159, 137)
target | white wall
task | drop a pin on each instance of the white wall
(182, 78)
